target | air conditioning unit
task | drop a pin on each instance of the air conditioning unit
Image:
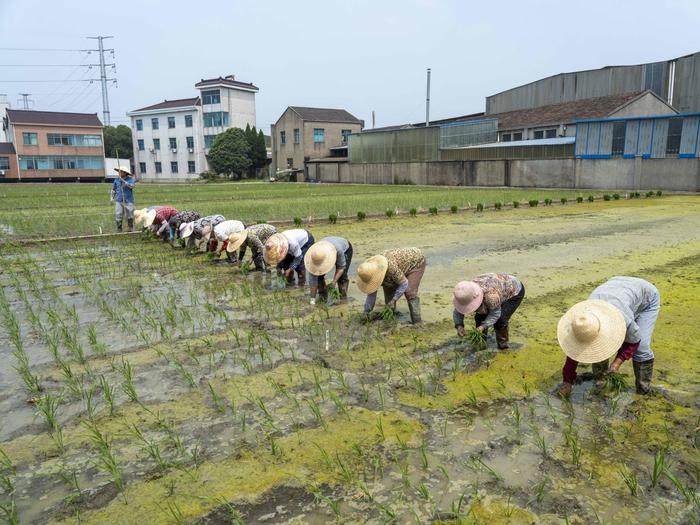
(2, 173)
(151, 150)
(174, 150)
(191, 150)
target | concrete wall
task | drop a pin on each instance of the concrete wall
(621, 174)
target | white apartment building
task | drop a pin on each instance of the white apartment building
(172, 138)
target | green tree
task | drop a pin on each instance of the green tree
(259, 151)
(230, 154)
(118, 139)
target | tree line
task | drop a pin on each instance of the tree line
(236, 154)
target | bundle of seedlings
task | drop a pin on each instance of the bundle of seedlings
(476, 339)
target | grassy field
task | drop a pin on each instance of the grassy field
(140, 385)
(46, 210)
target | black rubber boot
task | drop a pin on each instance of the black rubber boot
(301, 278)
(119, 226)
(502, 337)
(343, 289)
(642, 376)
(130, 223)
(231, 257)
(258, 262)
(322, 290)
(414, 310)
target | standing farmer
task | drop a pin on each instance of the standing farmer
(287, 250)
(493, 298)
(255, 237)
(123, 196)
(618, 317)
(398, 272)
(330, 253)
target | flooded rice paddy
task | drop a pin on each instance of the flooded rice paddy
(142, 385)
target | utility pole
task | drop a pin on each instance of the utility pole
(103, 74)
(427, 102)
(25, 100)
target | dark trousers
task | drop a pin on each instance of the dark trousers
(507, 310)
(286, 263)
(343, 278)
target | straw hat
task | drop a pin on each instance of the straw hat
(320, 258)
(467, 297)
(370, 274)
(140, 215)
(186, 229)
(276, 249)
(236, 240)
(207, 231)
(591, 331)
(125, 169)
(149, 217)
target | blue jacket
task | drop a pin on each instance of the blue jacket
(126, 185)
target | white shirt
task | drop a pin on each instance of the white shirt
(296, 239)
(226, 228)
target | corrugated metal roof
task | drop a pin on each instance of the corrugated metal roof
(533, 142)
(168, 104)
(325, 115)
(53, 118)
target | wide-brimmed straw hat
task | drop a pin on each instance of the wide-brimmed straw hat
(207, 231)
(186, 230)
(236, 240)
(140, 215)
(370, 274)
(149, 217)
(320, 258)
(276, 248)
(591, 331)
(467, 297)
(125, 169)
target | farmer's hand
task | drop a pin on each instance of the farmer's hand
(391, 305)
(312, 300)
(461, 332)
(480, 328)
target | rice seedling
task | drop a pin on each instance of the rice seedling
(591, 198)
(361, 216)
(174, 512)
(380, 428)
(333, 218)
(297, 221)
(540, 442)
(563, 200)
(106, 461)
(579, 199)
(659, 466)
(480, 207)
(630, 479)
(516, 204)
(533, 202)
(548, 202)
(497, 205)
(9, 510)
(389, 213)
(454, 209)
(476, 339)
(649, 194)
(606, 197)
(217, 399)
(413, 212)
(128, 384)
(615, 382)
(422, 451)
(107, 393)
(433, 210)
(659, 193)
(616, 196)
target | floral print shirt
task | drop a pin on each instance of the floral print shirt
(182, 217)
(400, 262)
(209, 220)
(256, 236)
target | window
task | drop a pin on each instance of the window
(190, 142)
(216, 118)
(30, 139)
(156, 143)
(618, 138)
(297, 136)
(344, 134)
(505, 137)
(58, 163)
(142, 167)
(190, 166)
(173, 143)
(154, 123)
(171, 122)
(319, 135)
(209, 140)
(28, 164)
(70, 163)
(290, 163)
(139, 124)
(55, 139)
(173, 167)
(4, 163)
(159, 167)
(188, 121)
(550, 133)
(673, 142)
(283, 137)
(518, 135)
(140, 144)
(211, 96)
(539, 134)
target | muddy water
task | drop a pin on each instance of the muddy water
(253, 404)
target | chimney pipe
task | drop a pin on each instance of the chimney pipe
(427, 102)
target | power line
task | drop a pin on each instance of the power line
(54, 81)
(40, 65)
(40, 49)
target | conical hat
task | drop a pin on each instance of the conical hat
(320, 258)
(371, 273)
(591, 331)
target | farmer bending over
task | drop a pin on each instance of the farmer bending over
(619, 316)
(287, 250)
(221, 232)
(493, 298)
(157, 219)
(398, 272)
(140, 215)
(255, 237)
(194, 231)
(330, 253)
(178, 220)
(123, 197)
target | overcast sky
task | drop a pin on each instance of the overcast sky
(361, 55)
